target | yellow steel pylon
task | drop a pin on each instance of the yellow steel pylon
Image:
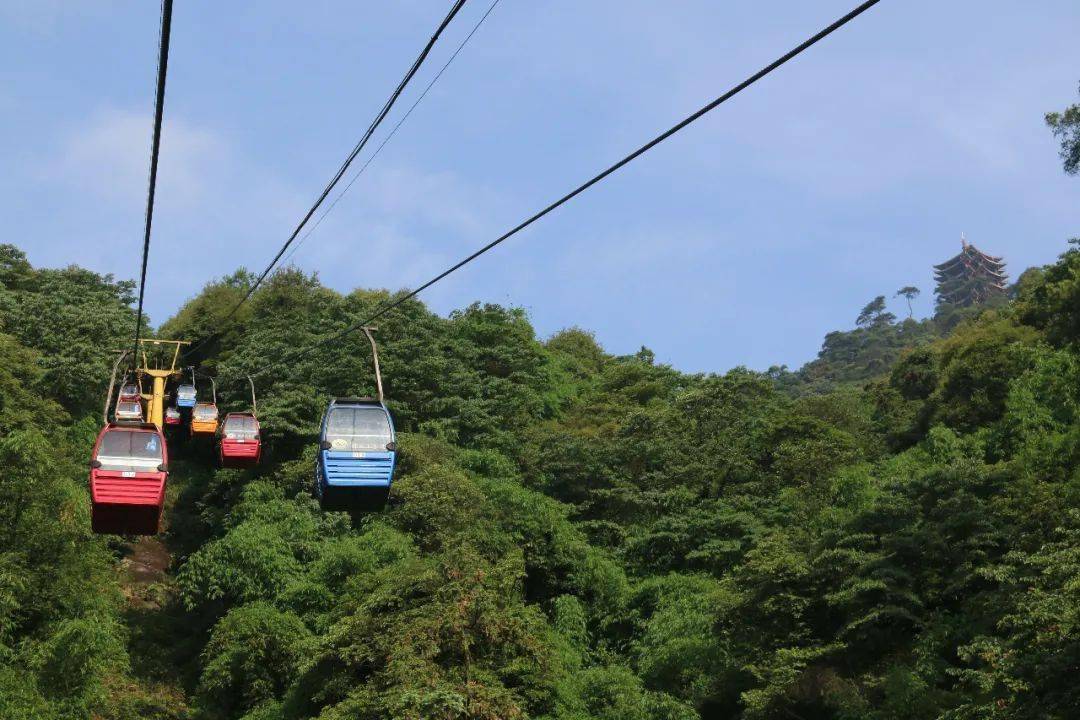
(160, 373)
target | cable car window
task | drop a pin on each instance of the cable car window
(146, 446)
(240, 428)
(129, 450)
(129, 409)
(205, 412)
(351, 429)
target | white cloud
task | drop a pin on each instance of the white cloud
(400, 225)
(33, 15)
(42, 17)
(109, 157)
(442, 199)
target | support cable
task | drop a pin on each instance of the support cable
(389, 135)
(387, 307)
(458, 4)
(155, 148)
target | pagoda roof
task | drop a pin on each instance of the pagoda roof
(969, 253)
(962, 291)
(956, 271)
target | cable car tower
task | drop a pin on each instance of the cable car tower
(158, 365)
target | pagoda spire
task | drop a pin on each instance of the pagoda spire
(971, 277)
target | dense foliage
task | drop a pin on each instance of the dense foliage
(850, 358)
(1066, 127)
(889, 533)
(62, 637)
(572, 534)
(577, 535)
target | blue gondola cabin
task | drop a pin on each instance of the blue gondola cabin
(356, 457)
(185, 396)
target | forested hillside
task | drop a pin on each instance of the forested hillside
(63, 641)
(571, 535)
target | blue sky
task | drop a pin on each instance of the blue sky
(742, 241)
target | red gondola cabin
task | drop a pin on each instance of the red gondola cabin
(129, 410)
(128, 474)
(240, 444)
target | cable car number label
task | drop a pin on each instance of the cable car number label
(359, 455)
(128, 473)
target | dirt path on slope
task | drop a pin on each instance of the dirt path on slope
(144, 568)
(155, 623)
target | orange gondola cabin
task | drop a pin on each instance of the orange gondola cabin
(204, 419)
(239, 444)
(128, 474)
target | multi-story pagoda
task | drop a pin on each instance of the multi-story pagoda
(969, 278)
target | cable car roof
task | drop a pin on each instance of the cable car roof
(134, 425)
(356, 401)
